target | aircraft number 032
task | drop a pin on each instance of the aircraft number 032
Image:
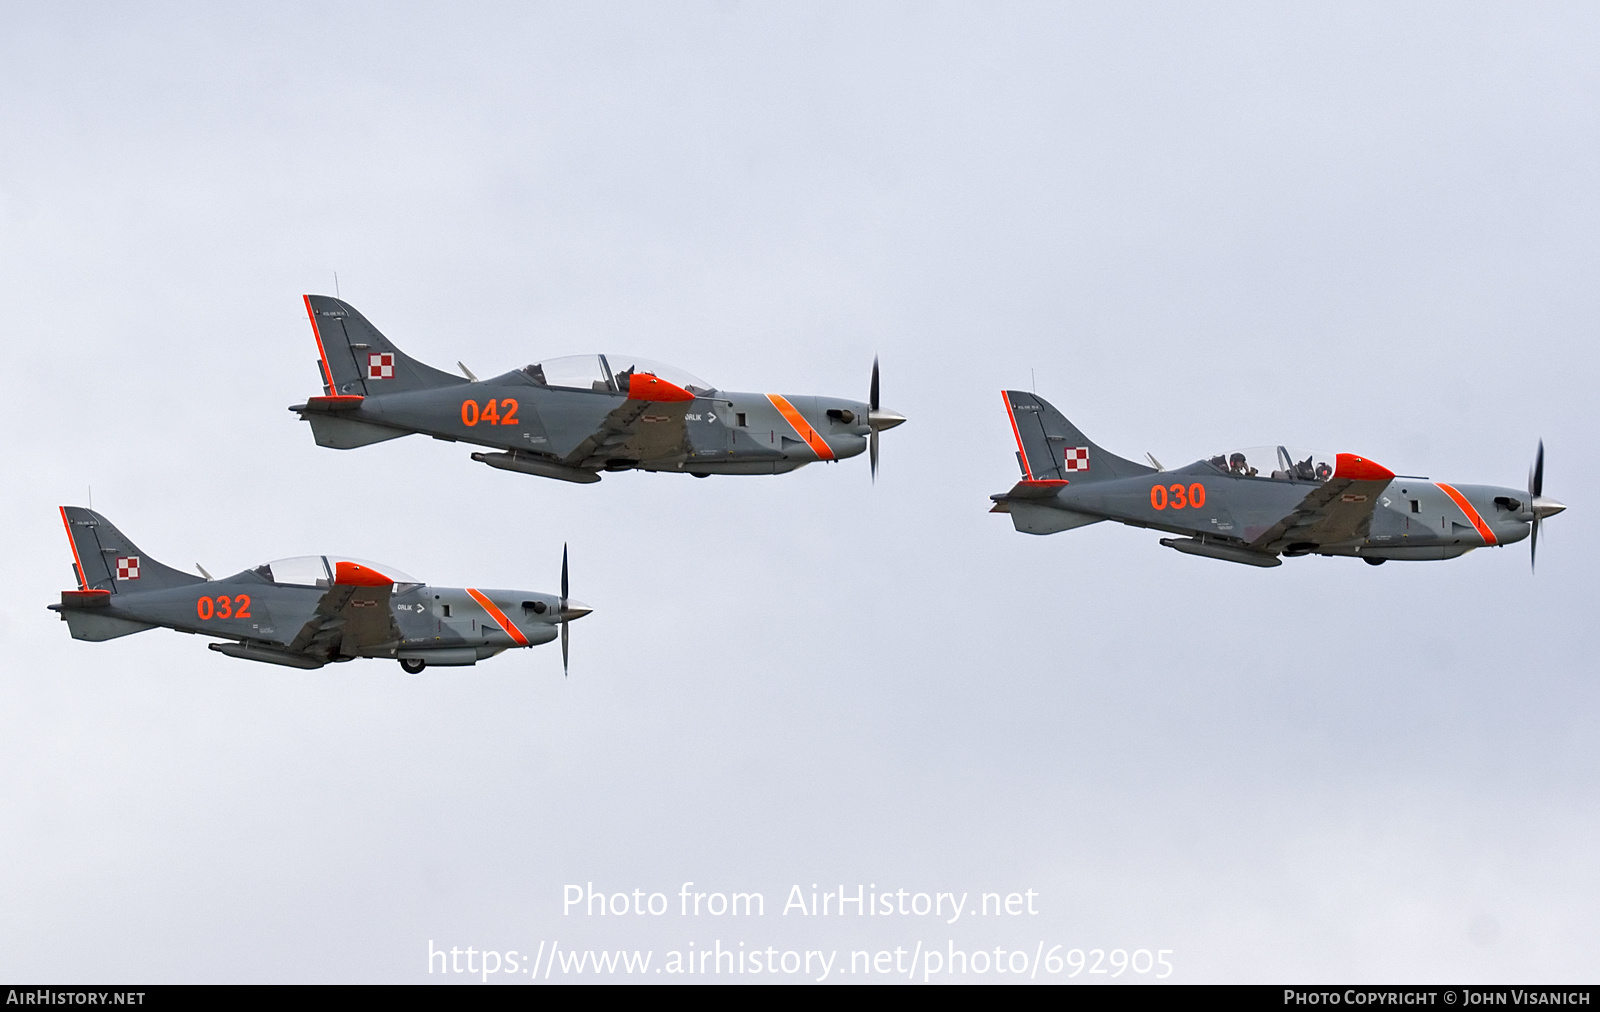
(1177, 496)
(489, 414)
(222, 606)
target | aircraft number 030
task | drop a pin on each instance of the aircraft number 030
(222, 606)
(1180, 497)
(489, 414)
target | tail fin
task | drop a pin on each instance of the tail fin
(357, 360)
(104, 559)
(1050, 448)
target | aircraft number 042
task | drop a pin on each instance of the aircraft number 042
(1194, 496)
(223, 606)
(505, 414)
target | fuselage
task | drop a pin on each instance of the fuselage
(442, 625)
(721, 432)
(1412, 518)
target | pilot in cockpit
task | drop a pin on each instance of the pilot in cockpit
(1239, 467)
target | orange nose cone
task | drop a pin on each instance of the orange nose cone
(642, 386)
(1360, 469)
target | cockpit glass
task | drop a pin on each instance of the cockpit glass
(574, 372)
(325, 570)
(302, 570)
(1283, 463)
(609, 373)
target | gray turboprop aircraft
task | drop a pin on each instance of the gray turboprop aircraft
(571, 418)
(1252, 506)
(303, 612)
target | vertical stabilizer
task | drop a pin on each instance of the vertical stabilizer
(104, 559)
(357, 360)
(1050, 448)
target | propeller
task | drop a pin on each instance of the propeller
(570, 610)
(878, 419)
(1535, 486)
(1538, 504)
(872, 403)
(563, 610)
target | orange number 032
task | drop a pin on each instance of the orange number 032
(505, 413)
(222, 606)
(1177, 496)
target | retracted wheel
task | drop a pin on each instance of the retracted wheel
(413, 665)
(1369, 560)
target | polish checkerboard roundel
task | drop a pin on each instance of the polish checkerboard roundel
(1077, 458)
(128, 567)
(380, 366)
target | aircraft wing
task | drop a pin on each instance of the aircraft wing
(348, 618)
(1338, 510)
(640, 428)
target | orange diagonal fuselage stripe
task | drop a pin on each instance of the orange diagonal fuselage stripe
(499, 618)
(812, 438)
(77, 563)
(1472, 514)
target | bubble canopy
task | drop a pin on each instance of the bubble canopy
(327, 570)
(1283, 463)
(609, 373)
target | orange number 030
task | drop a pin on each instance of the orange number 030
(222, 606)
(490, 414)
(1193, 496)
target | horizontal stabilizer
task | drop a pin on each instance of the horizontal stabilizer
(1024, 490)
(97, 627)
(1039, 518)
(343, 433)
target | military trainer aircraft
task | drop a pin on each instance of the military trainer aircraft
(571, 418)
(1253, 506)
(302, 612)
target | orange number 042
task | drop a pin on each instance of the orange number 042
(222, 606)
(1193, 496)
(490, 414)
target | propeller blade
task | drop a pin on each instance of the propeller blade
(1535, 488)
(872, 397)
(872, 447)
(1536, 478)
(564, 620)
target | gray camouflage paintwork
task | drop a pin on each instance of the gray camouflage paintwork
(301, 626)
(568, 433)
(1401, 518)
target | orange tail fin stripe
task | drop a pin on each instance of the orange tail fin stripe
(1484, 530)
(77, 563)
(1021, 451)
(803, 428)
(499, 617)
(316, 332)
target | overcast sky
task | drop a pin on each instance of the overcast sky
(1371, 229)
